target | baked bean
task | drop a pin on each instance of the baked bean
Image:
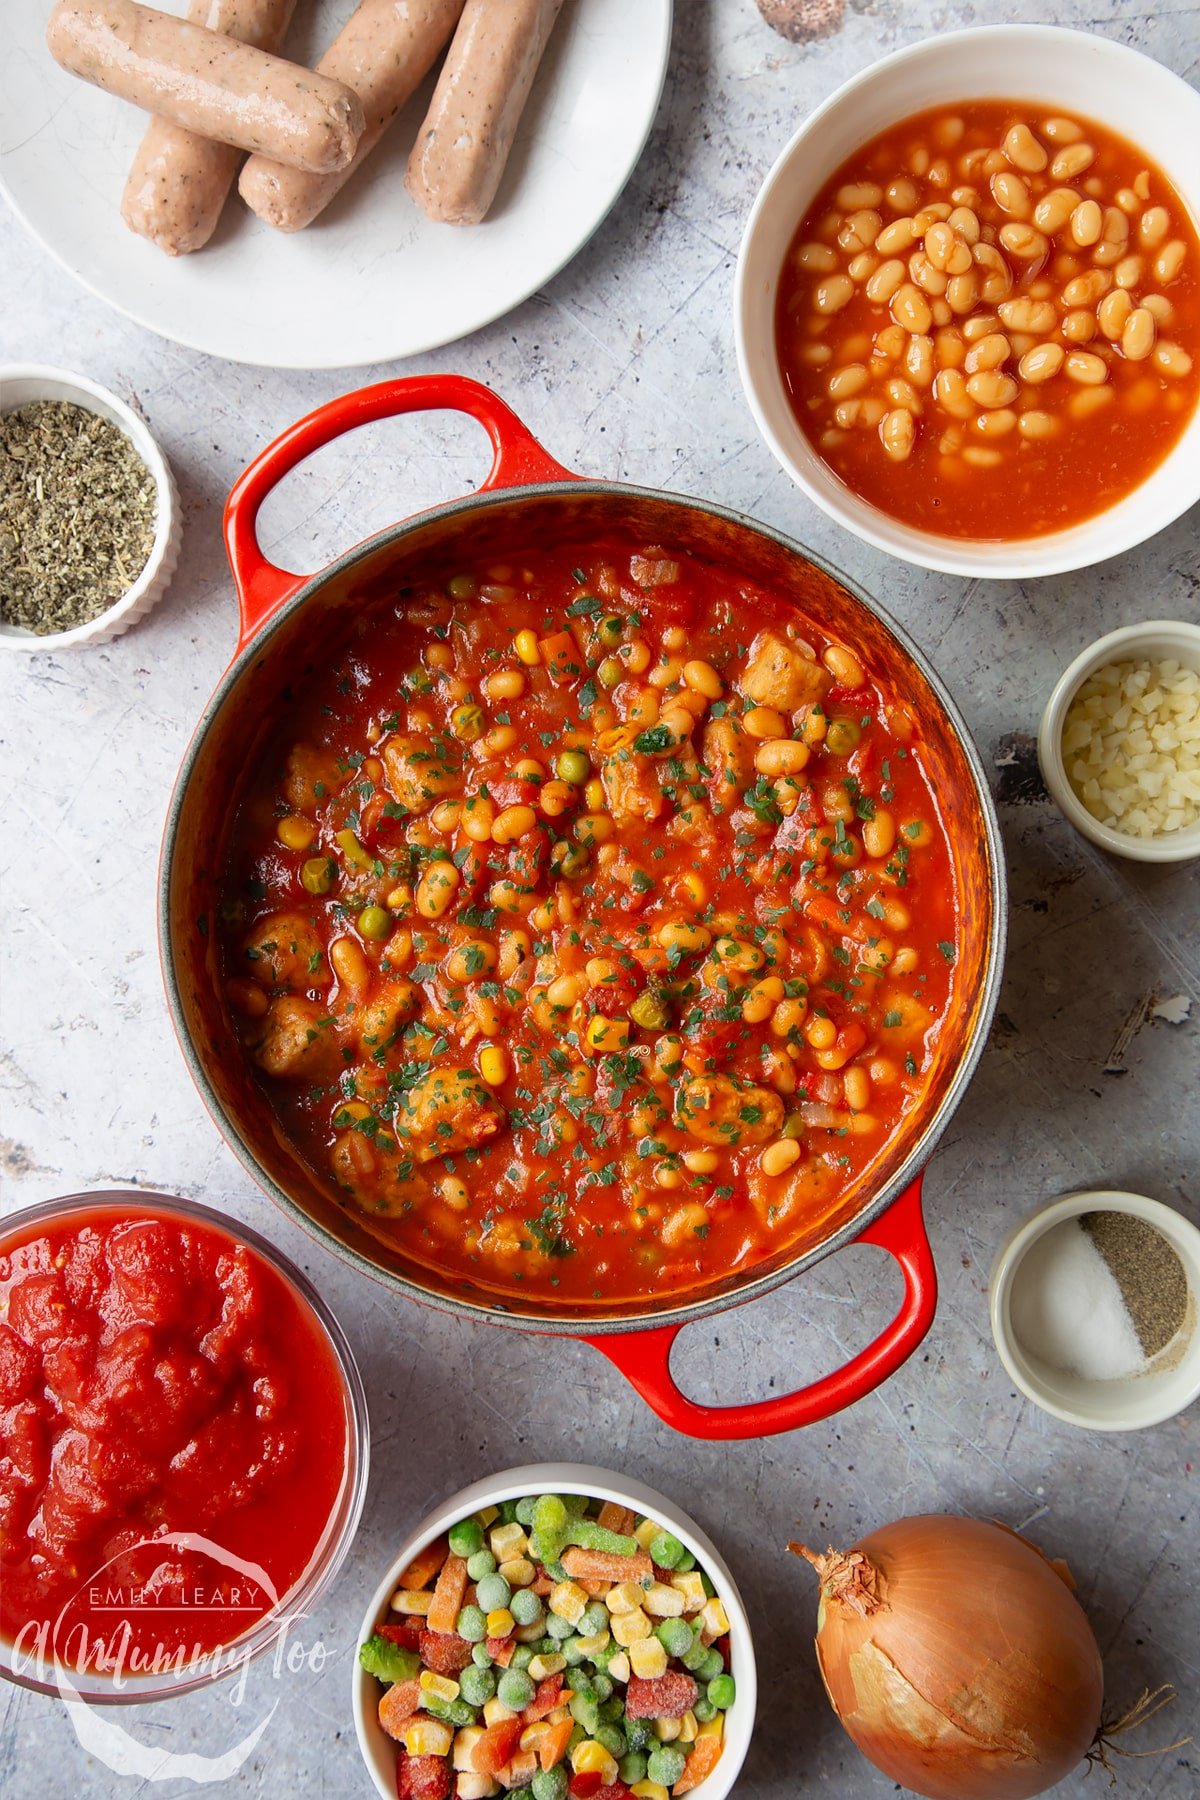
(1128, 271)
(901, 234)
(931, 214)
(996, 281)
(1023, 150)
(901, 393)
(940, 310)
(1085, 290)
(1024, 314)
(1079, 327)
(918, 360)
(1140, 331)
(1153, 226)
(1170, 260)
(818, 259)
(1072, 161)
(1024, 241)
(996, 424)
(833, 293)
(891, 341)
(885, 281)
(844, 666)
(988, 352)
(1054, 209)
(1011, 194)
(781, 756)
(862, 266)
(964, 196)
(940, 240)
(1128, 201)
(1035, 424)
(898, 434)
(1041, 363)
(879, 834)
(847, 413)
(1141, 185)
(1087, 222)
(1172, 359)
(1086, 367)
(815, 356)
(950, 391)
(859, 230)
(857, 194)
(910, 308)
(978, 325)
(991, 389)
(1112, 313)
(931, 281)
(844, 383)
(981, 458)
(949, 350)
(962, 292)
(1089, 400)
(948, 132)
(940, 173)
(965, 222)
(1061, 131)
(903, 195)
(1160, 306)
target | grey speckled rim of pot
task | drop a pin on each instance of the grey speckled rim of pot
(574, 1324)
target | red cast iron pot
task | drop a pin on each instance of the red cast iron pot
(288, 620)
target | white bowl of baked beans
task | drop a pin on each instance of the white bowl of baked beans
(967, 304)
(1119, 741)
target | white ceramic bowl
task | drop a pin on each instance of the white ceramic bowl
(1072, 71)
(1173, 1379)
(20, 385)
(379, 1752)
(1156, 639)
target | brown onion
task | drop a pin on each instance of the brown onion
(957, 1658)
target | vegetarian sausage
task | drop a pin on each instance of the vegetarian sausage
(459, 157)
(209, 83)
(179, 182)
(383, 51)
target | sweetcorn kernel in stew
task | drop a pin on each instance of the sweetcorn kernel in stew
(627, 988)
(612, 1660)
(989, 321)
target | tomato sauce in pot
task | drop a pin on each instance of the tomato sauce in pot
(590, 921)
(157, 1378)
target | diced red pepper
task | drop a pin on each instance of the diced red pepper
(444, 1652)
(544, 1700)
(408, 1636)
(586, 1785)
(667, 1696)
(422, 1778)
(501, 1650)
(496, 1746)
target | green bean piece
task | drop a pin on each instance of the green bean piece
(585, 1710)
(722, 1691)
(354, 852)
(525, 1606)
(466, 1538)
(632, 1767)
(476, 1686)
(709, 1589)
(472, 1624)
(375, 922)
(515, 1689)
(318, 874)
(590, 1536)
(493, 1592)
(550, 1784)
(675, 1635)
(451, 1712)
(665, 1549)
(665, 1765)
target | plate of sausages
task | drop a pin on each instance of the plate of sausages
(324, 183)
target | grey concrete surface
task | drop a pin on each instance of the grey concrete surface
(624, 366)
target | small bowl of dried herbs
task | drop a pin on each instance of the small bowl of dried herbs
(1095, 1308)
(89, 515)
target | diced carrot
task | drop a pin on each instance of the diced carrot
(594, 1589)
(560, 653)
(703, 1758)
(448, 1595)
(618, 1518)
(519, 1769)
(600, 1565)
(501, 1650)
(546, 1698)
(552, 1745)
(425, 1564)
(398, 1705)
(490, 1752)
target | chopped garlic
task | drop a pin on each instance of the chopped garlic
(1131, 746)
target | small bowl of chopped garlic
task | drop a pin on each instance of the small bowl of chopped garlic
(89, 514)
(1119, 743)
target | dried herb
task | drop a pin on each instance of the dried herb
(77, 513)
(1152, 1280)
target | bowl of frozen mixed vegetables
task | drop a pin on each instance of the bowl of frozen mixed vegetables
(555, 1633)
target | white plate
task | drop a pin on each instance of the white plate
(372, 279)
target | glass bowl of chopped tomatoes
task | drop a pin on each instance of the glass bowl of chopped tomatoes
(440, 1713)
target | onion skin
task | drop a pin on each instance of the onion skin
(957, 1659)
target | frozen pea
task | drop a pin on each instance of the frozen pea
(585, 1712)
(703, 1710)
(481, 1564)
(712, 1666)
(722, 1691)
(493, 1592)
(466, 1537)
(612, 1739)
(476, 1685)
(665, 1765)
(525, 1606)
(675, 1636)
(508, 1512)
(593, 1620)
(550, 1784)
(521, 1793)
(602, 1686)
(709, 1589)
(666, 1549)
(515, 1689)
(522, 1656)
(686, 1563)
(572, 1649)
(632, 1767)
(612, 1710)
(559, 1628)
(472, 1624)
(525, 1510)
(693, 1659)
(481, 1656)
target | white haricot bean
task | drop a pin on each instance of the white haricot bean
(1128, 201)
(859, 230)
(948, 132)
(902, 393)
(1011, 194)
(903, 195)
(901, 234)
(1112, 313)
(1128, 271)
(996, 424)
(997, 281)
(964, 221)
(948, 349)
(898, 434)
(1172, 359)
(1170, 260)
(891, 341)
(846, 382)
(1042, 363)
(918, 360)
(1153, 226)
(1160, 306)
(884, 282)
(950, 391)
(1086, 367)
(1087, 222)
(857, 194)
(988, 352)
(1060, 130)
(962, 292)
(1141, 184)
(910, 308)
(1072, 161)
(1054, 209)
(815, 356)
(982, 457)
(940, 310)
(1024, 314)
(978, 325)
(817, 259)
(940, 240)
(930, 280)
(1036, 424)
(1024, 241)
(833, 293)
(990, 389)
(1085, 290)
(1137, 339)
(1079, 327)
(1089, 400)
(1023, 150)
(862, 266)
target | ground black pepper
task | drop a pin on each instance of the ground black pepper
(1152, 1280)
(77, 515)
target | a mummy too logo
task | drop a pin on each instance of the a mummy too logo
(163, 1612)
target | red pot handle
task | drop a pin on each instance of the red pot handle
(517, 458)
(644, 1357)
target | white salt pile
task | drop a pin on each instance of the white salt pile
(1067, 1308)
